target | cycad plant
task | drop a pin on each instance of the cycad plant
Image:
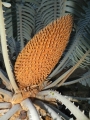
(42, 43)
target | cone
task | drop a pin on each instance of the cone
(39, 57)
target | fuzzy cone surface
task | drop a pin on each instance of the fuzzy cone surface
(39, 57)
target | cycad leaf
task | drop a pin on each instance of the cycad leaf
(12, 48)
(48, 109)
(8, 22)
(72, 6)
(47, 12)
(84, 80)
(51, 10)
(38, 23)
(6, 4)
(82, 39)
(34, 2)
(5, 51)
(25, 22)
(74, 110)
(80, 45)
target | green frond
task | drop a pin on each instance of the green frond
(53, 9)
(8, 21)
(80, 43)
(72, 6)
(25, 23)
(84, 80)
